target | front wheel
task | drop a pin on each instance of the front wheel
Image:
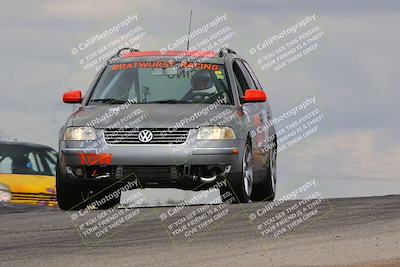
(68, 197)
(242, 191)
(73, 197)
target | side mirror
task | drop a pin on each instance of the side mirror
(253, 96)
(73, 97)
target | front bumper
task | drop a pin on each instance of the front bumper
(184, 166)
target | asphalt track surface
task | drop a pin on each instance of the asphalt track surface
(351, 232)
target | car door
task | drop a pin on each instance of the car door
(267, 128)
(252, 111)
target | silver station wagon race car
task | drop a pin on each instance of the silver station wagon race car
(174, 119)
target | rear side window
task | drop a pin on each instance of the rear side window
(240, 79)
(247, 76)
(253, 75)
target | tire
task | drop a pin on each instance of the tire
(72, 197)
(242, 191)
(267, 189)
(68, 197)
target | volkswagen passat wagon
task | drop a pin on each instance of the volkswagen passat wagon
(173, 119)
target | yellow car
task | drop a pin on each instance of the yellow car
(27, 174)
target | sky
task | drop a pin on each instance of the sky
(353, 74)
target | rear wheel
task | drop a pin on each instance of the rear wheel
(266, 190)
(242, 191)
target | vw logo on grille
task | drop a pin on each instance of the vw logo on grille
(145, 136)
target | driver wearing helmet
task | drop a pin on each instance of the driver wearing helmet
(202, 87)
(201, 82)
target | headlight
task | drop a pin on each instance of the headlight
(215, 133)
(80, 134)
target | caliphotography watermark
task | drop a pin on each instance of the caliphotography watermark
(94, 225)
(113, 126)
(293, 126)
(184, 226)
(94, 52)
(283, 48)
(213, 35)
(213, 116)
(290, 213)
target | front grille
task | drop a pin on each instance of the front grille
(148, 174)
(160, 136)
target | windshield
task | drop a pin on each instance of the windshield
(162, 82)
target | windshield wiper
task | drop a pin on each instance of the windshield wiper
(168, 101)
(109, 100)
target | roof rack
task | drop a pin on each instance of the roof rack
(226, 50)
(118, 54)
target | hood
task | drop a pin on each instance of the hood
(154, 115)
